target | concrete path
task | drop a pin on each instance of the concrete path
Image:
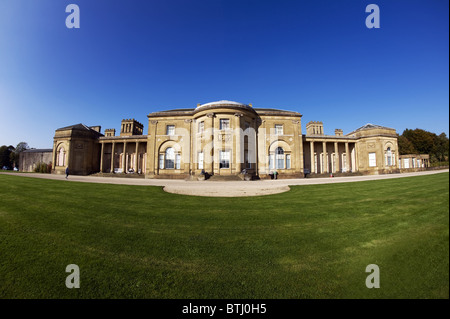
(223, 189)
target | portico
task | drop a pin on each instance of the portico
(123, 154)
(325, 155)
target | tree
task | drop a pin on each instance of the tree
(5, 152)
(22, 146)
(441, 148)
(14, 156)
(405, 146)
(422, 140)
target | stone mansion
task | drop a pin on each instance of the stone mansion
(224, 138)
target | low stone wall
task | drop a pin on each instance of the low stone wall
(437, 168)
(119, 175)
(337, 174)
(167, 176)
(412, 169)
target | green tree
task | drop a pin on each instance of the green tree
(14, 156)
(423, 141)
(5, 152)
(405, 146)
(441, 148)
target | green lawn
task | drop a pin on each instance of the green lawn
(140, 242)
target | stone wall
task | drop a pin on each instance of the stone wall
(29, 159)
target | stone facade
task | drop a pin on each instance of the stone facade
(28, 159)
(413, 162)
(76, 146)
(225, 138)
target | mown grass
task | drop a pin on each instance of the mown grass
(140, 242)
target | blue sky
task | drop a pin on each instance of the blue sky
(130, 58)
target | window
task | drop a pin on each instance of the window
(288, 161)
(271, 157)
(224, 159)
(406, 162)
(201, 127)
(246, 161)
(200, 160)
(61, 157)
(224, 124)
(178, 161)
(161, 161)
(279, 159)
(170, 130)
(279, 153)
(279, 129)
(170, 158)
(372, 160)
(388, 157)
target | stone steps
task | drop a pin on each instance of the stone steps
(225, 178)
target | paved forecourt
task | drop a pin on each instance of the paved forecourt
(223, 188)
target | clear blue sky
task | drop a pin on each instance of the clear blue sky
(131, 58)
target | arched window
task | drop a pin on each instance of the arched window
(170, 158)
(279, 153)
(389, 157)
(61, 157)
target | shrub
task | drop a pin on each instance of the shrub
(43, 168)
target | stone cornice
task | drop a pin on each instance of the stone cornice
(123, 138)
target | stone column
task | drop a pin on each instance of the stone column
(55, 155)
(347, 158)
(297, 153)
(152, 159)
(237, 137)
(123, 157)
(325, 157)
(136, 157)
(208, 160)
(313, 167)
(192, 151)
(336, 157)
(262, 151)
(113, 146)
(256, 155)
(185, 164)
(101, 158)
